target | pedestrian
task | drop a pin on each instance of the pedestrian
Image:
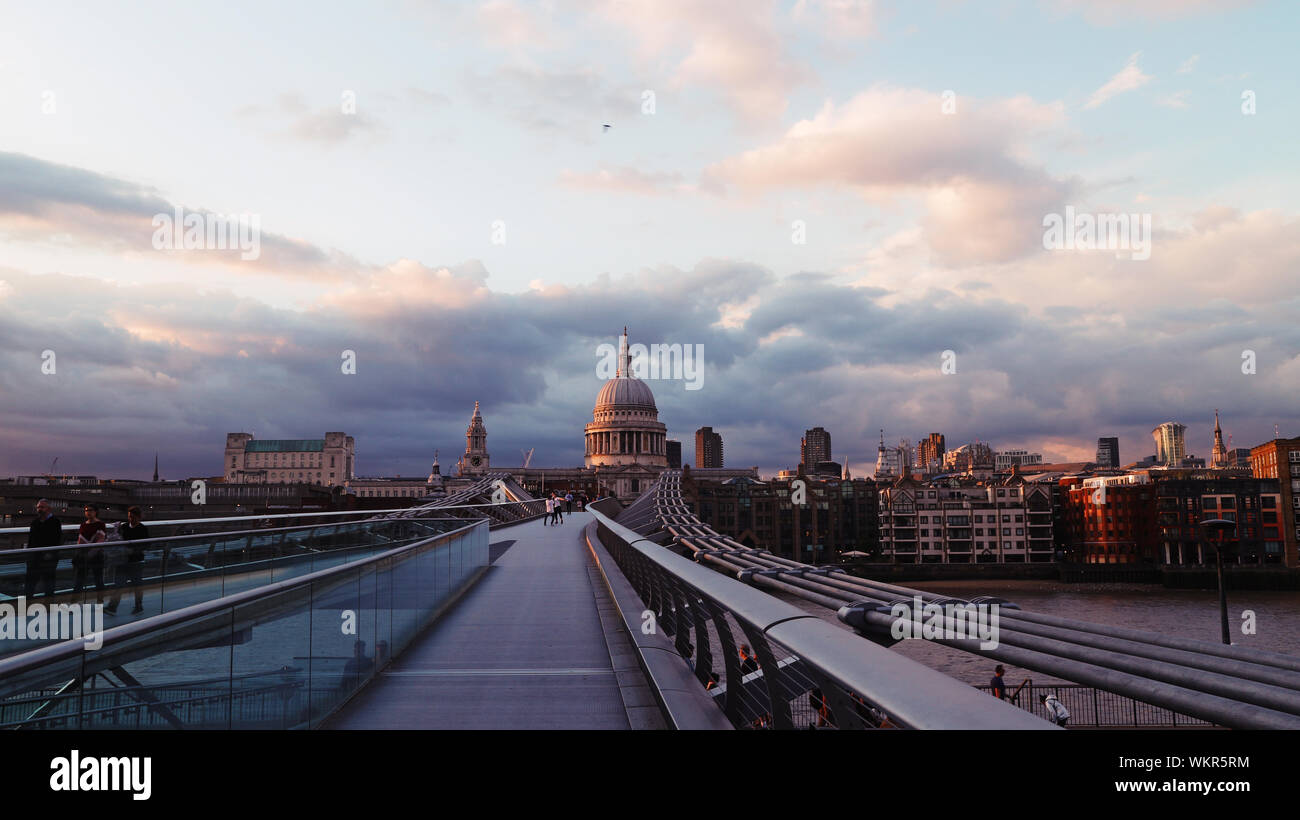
(559, 508)
(1056, 711)
(93, 531)
(46, 531)
(747, 661)
(568, 502)
(130, 571)
(999, 689)
(550, 510)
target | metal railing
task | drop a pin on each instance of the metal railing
(1097, 708)
(1234, 686)
(282, 655)
(515, 508)
(156, 575)
(796, 671)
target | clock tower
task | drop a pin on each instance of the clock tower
(475, 459)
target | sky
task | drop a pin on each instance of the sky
(844, 202)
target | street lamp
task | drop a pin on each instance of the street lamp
(1220, 526)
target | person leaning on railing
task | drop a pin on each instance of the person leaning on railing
(46, 531)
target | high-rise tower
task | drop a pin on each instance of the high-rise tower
(1171, 446)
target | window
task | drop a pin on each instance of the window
(1006, 530)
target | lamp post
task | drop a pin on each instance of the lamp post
(1221, 526)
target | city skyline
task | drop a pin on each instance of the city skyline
(861, 470)
(827, 198)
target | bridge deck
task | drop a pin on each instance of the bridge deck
(524, 649)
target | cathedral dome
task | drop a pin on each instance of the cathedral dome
(625, 391)
(625, 429)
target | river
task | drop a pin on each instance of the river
(1176, 612)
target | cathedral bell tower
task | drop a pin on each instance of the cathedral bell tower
(475, 459)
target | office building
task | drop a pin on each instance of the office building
(1280, 459)
(1005, 460)
(837, 516)
(708, 448)
(1011, 521)
(674, 454)
(1108, 452)
(930, 452)
(814, 447)
(1171, 444)
(325, 461)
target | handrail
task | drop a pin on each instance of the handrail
(155, 543)
(909, 693)
(322, 513)
(64, 650)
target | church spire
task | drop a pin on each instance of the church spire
(155, 465)
(624, 364)
(1219, 457)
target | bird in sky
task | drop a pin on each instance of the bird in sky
(607, 126)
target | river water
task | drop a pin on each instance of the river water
(1174, 612)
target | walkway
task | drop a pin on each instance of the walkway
(524, 649)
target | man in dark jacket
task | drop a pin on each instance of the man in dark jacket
(130, 571)
(46, 531)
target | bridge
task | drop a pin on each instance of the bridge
(471, 611)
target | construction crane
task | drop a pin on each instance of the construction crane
(528, 456)
(53, 464)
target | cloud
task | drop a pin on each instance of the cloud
(1129, 78)
(838, 19)
(1176, 100)
(509, 24)
(42, 201)
(732, 47)
(326, 125)
(1188, 65)
(1051, 352)
(623, 179)
(568, 102)
(1122, 12)
(983, 198)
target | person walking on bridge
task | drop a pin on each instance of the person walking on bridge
(93, 531)
(550, 511)
(130, 571)
(997, 687)
(559, 507)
